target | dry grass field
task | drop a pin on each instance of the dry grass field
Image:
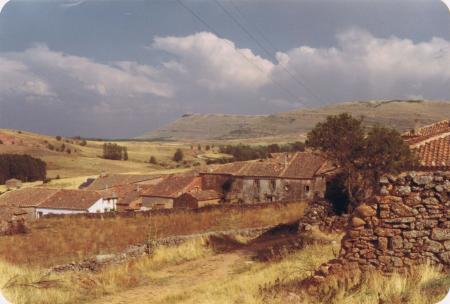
(61, 240)
(83, 161)
(194, 273)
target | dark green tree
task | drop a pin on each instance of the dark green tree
(178, 156)
(362, 158)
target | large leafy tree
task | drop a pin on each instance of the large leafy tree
(361, 156)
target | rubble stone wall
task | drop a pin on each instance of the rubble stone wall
(407, 224)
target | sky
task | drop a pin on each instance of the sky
(117, 69)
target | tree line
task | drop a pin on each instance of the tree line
(23, 167)
(246, 152)
(115, 152)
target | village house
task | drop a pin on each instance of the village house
(106, 181)
(163, 194)
(27, 199)
(13, 184)
(76, 202)
(12, 220)
(200, 199)
(283, 177)
(432, 145)
(129, 197)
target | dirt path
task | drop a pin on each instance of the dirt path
(189, 275)
(181, 278)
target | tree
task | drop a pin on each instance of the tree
(362, 158)
(178, 156)
(152, 160)
(125, 153)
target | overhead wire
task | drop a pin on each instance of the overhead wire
(284, 89)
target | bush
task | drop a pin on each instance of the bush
(58, 138)
(83, 143)
(178, 156)
(152, 160)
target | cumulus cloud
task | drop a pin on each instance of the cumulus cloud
(206, 73)
(216, 63)
(362, 67)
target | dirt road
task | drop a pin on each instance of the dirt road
(181, 278)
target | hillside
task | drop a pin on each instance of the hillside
(402, 115)
(69, 158)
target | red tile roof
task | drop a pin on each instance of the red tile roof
(113, 180)
(435, 153)
(71, 199)
(422, 134)
(26, 197)
(173, 186)
(300, 165)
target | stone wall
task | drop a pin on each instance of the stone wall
(407, 224)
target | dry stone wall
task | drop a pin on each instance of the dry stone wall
(407, 224)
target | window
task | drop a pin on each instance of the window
(287, 188)
(306, 188)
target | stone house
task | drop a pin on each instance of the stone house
(283, 177)
(163, 194)
(12, 220)
(129, 197)
(76, 202)
(27, 199)
(194, 200)
(13, 184)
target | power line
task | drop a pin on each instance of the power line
(210, 28)
(294, 76)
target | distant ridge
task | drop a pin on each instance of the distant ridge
(400, 114)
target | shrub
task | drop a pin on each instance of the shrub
(178, 156)
(152, 160)
(58, 138)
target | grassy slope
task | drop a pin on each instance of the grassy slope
(85, 161)
(291, 125)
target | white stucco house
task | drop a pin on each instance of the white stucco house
(76, 202)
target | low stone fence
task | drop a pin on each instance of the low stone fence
(150, 213)
(96, 262)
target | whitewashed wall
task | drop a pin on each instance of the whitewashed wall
(100, 206)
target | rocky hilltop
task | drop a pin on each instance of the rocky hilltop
(399, 114)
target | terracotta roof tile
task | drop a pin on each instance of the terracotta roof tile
(27, 197)
(112, 180)
(301, 165)
(424, 133)
(435, 153)
(173, 186)
(71, 199)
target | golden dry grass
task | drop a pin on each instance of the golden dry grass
(23, 285)
(87, 161)
(60, 240)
